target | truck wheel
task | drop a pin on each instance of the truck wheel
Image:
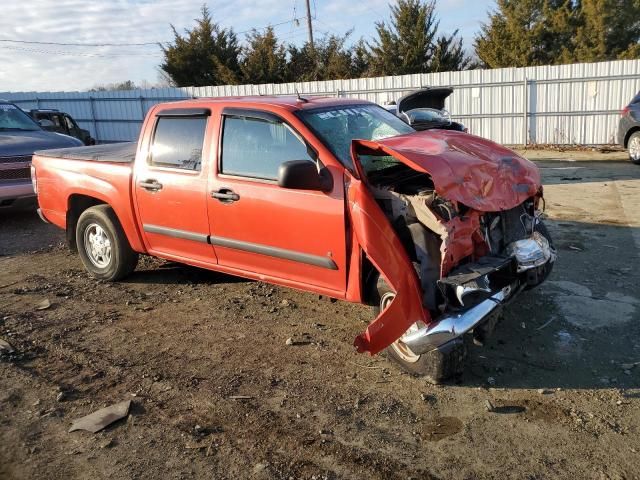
(103, 246)
(436, 366)
(633, 145)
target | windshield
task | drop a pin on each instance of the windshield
(338, 126)
(12, 118)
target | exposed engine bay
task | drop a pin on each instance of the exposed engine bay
(461, 255)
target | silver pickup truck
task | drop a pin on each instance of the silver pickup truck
(20, 136)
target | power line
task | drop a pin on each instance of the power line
(293, 20)
(79, 54)
(140, 44)
(32, 42)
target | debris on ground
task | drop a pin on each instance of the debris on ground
(43, 305)
(489, 406)
(102, 418)
(5, 347)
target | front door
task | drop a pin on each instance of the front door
(171, 187)
(296, 237)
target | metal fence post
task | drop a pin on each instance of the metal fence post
(142, 112)
(525, 108)
(93, 119)
(37, 103)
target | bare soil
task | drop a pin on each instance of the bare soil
(218, 392)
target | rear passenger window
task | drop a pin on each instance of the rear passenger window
(177, 143)
(253, 147)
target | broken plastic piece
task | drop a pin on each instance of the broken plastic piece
(102, 418)
(43, 305)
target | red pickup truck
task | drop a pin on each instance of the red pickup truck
(435, 229)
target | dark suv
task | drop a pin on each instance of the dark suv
(61, 122)
(629, 129)
(20, 136)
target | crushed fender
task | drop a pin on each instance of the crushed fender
(383, 248)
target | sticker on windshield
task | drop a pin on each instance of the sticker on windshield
(7, 106)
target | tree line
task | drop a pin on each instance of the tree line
(522, 33)
(517, 33)
(409, 42)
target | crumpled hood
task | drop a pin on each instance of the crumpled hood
(13, 143)
(471, 170)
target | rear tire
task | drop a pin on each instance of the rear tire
(103, 246)
(633, 148)
(442, 364)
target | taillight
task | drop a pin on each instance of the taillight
(34, 180)
(624, 111)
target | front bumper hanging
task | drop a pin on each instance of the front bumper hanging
(530, 254)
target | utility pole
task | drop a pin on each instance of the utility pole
(309, 27)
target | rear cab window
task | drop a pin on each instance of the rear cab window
(178, 142)
(254, 145)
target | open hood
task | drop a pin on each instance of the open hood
(470, 170)
(430, 97)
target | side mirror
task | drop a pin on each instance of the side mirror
(303, 175)
(46, 123)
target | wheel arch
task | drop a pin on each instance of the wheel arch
(76, 204)
(630, 132)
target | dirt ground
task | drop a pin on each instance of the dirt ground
(562, 372)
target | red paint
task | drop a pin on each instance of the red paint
(468, 169)
(343, 224)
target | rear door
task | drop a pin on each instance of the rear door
(170, 186)
(294, 236)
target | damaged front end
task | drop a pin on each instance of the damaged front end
(466, 213)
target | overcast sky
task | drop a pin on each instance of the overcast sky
(32, 67)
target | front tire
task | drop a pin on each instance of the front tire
(633, 147)
(103, 246)
(436, 366)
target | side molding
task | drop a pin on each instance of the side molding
(294, 256)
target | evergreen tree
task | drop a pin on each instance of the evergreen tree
(265, 60)
(407, 43)
(605, 30)
(360, 59)
(205, 55)
(524, 33)
(328, 60)
(516, 35)
(448, 55)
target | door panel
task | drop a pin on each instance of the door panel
(291, 234)
(171, 190)
(296, 235)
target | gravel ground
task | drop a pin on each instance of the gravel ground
(217, 392)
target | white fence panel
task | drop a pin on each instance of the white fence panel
(561, 104)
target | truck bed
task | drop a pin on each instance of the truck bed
(112, 153)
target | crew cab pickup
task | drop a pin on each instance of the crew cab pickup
(434, 229)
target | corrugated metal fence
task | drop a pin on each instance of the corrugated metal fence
(565, 104)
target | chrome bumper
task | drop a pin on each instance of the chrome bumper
(455, 325)
(16, 190)
(530, 254)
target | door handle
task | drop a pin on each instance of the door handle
(151, 185)
(225, 195)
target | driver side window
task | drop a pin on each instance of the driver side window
(256, 147)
